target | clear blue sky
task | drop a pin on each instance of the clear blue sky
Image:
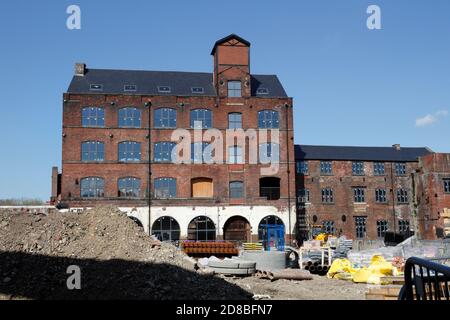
(351, 85)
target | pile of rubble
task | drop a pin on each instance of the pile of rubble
(117, 260)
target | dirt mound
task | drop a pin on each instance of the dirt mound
(117, 259)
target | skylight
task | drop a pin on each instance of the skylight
(197, 90)
(96, 87)
(164, 89)
(130, 88)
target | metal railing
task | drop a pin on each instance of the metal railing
(425, 280)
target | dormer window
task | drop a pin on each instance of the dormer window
(164, 89)
(96, 87)
(234, 89)
(262, 91)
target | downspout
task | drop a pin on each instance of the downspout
(288, 172)
(149, 105)
(393, 195)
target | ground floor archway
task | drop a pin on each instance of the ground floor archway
(237, 228)
(271, 232)
(166, 229)
(201, 228)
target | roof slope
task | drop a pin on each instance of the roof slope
(308, 152)
(180, 83)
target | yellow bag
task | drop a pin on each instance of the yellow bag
(362, 275)
(340, 266)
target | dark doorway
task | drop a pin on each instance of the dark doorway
(237, 229)
(269, 187)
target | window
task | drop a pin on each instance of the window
(166, 229)
(380, 195)
(328, 227)
(235, 121)
(197, 90)
(360, 227)
(268, 119)
(129, 151)
(235, 155)
(303, 195)
(269, 152)
(302, 167)
(129, 187)
(403, 227)
(447, 185)
(400, 169)
(162, 152)
(92, 151)
(164, 89)
(378, 169)
(262, 91)
(93, 117)
(382, 228)
(92, 187)
(269, 187)
(129, 117)
(358, 168)
(326, 168)
(201, 229)
(359, 195)
(165, 118)
(201, 152)
(234, 89)
(165, 188)
(96, 87)
(402, 196)
(129, 88)
(202, 188)
(327, 195)
(236, 190)
(201, 119)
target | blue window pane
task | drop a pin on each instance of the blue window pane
(130, 117)
(201, 152)
(269, 152)
(236, 190)
(268, 119)
(92, 151)
(92, 187)
(165, 118)
(165, 188)
(93, 117)
(129, 151)
(201, 118)
(163, 151)
(129, 187)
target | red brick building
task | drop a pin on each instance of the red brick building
(432, 202)
(359, 192)
(118, 128)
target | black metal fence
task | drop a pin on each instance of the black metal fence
(425, 280)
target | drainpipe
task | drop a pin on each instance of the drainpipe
(149, 109)
(288, 172)
(393, 196)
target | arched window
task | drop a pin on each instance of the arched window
(92, 187)
(271, 232)
(92, 151)
(129, 187)
(93, 117)
(165, 118)
(269, 153)
(202, 229)
(201, 118)
(268, 119)
(129, 117)
(165, 188)
(201, 152)
(163, 152)
(202, 188)
(166, 229)
(129, 151)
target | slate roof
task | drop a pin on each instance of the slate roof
(180, 83)
(308, 152)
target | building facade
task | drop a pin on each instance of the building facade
(359, 192)
(151, 142)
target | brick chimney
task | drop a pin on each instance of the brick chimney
(80, 69)
(231, 63)
(396, 146)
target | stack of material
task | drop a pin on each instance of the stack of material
(390, 292)
(232, 267)
(316, 268)
(253, 246)
(342, 249)
(202, 249)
